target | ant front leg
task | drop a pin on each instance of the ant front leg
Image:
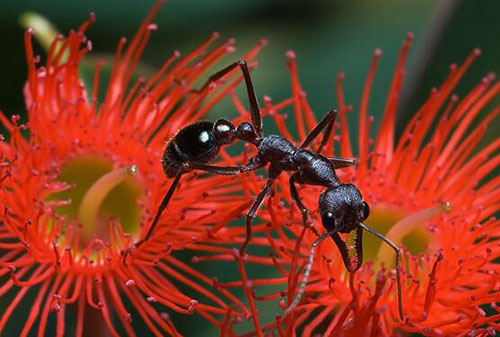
(296, 199)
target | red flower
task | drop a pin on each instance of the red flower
(433, 191)
(89, 172)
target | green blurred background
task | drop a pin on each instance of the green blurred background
(327, 36)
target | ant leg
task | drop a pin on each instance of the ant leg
(307, 270)
(398, 271)
(253, 210)
(220, 170)
(339, 163)
(296, 199)
(252, 98)
(162, 207)
(330, 117)
(254, 163)
(326, 136)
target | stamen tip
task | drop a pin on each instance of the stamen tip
(133, 169)
(447, 206)
(377, 52)
(477, 52)
(290, 54)
(410, 36)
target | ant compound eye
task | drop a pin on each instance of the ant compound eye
(328, 220)
(224, 131)
(366, 211)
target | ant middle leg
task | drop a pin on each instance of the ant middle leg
(327, 120)
(296, 199)
(326, 135)
(253, 210)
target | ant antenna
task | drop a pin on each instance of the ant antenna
(310, 261)
(307, 271)
(398, 270)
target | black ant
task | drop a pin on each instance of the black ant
(341, 206)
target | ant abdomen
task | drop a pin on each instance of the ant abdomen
(193, 143)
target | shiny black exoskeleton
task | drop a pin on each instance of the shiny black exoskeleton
(198, 143)
(308, 168)
(195, 146)
(341, 206)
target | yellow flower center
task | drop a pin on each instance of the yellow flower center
(97, 193)
(401, 228)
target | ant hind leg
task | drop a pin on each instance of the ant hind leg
(162, 207)
(255, 113)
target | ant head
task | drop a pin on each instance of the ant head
(224, 131)
(246, 132)
(343, 207)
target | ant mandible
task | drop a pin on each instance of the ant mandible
(341, 206)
